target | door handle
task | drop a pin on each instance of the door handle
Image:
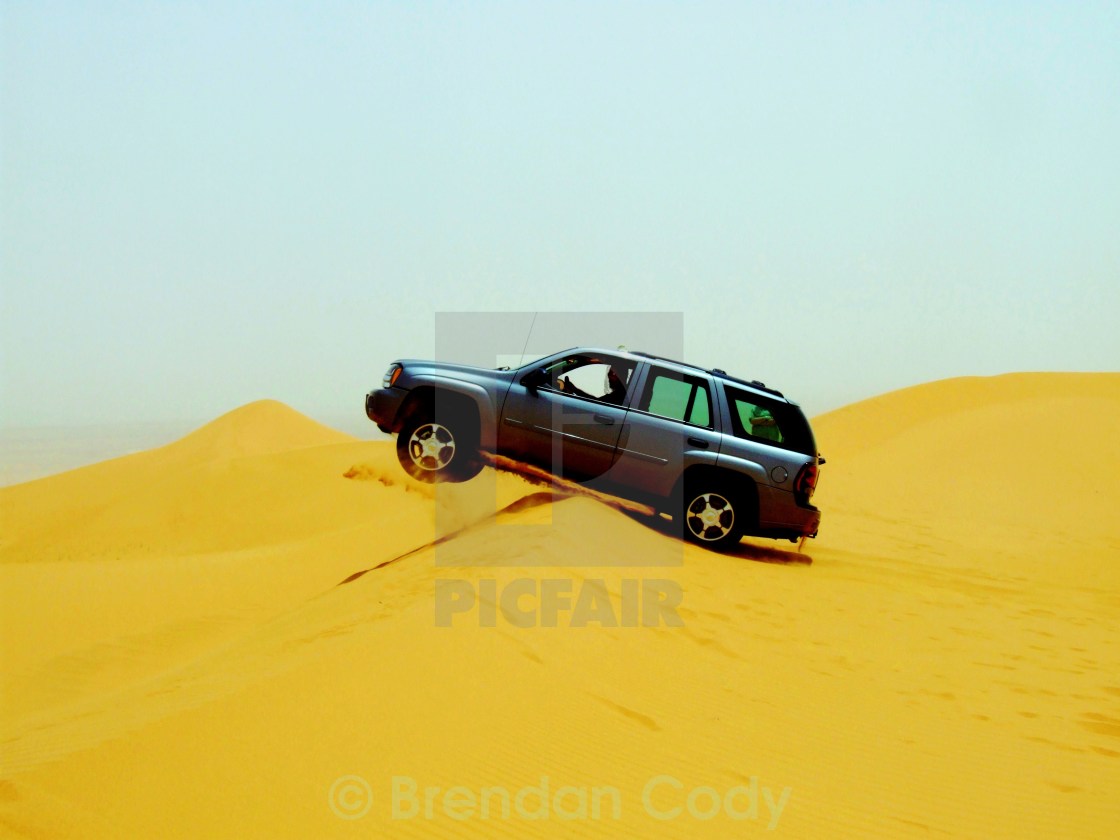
(699, 443)
(604, 419)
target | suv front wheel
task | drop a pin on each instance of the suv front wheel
(715, 516)
(438, 449)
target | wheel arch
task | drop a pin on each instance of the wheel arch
(715, 475)
(449, 449)
(468, 399)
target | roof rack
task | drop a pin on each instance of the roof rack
(752, 383)
(722, 374)
(670, 361)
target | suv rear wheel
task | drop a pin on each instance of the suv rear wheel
(440, 448)
(715, 516)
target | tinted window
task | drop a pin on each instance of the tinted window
(771, 422)
(677, 397)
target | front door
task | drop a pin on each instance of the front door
(570, 422)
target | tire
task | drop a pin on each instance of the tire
(443, 448)
(714, 515)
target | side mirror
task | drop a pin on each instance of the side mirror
(534, 379)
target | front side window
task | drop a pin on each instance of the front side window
(601, 377)
(678, 397)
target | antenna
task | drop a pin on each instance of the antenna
(526, 347)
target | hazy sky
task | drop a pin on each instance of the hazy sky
(209, 203)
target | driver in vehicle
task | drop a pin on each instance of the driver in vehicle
(616, 388)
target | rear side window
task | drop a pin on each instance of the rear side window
(774, 423)
(678, 397)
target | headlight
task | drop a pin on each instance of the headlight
(391, 375)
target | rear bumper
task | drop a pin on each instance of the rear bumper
(795, 521)
(383, 406)
(811, 523)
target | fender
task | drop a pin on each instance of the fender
(757, 473)
(475, 393)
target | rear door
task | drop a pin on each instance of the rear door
(671, 425)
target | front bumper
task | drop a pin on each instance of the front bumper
(383, 406)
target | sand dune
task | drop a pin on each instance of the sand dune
(265, 629)
(991, 464)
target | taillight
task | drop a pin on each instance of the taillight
(806, 482)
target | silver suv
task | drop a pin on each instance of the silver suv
(724, 456)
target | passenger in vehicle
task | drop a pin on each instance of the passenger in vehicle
(763, 424)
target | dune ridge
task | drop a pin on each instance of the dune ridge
(257, 428)
(180, 658)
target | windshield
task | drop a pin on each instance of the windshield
(531, 365)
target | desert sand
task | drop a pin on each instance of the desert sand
(266, 630)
